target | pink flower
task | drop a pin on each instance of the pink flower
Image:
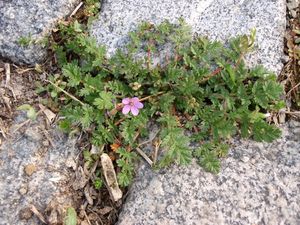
(131, 104)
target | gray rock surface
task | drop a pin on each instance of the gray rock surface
(259, 184)
(32, 171)
(117, 18)
(219, 19)
(29, 19)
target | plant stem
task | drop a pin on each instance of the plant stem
(214, 73)
(68, 94)
(150, 96)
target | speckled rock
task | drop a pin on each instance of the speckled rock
(259, 184)
(35, 172)
(219, 19)
(31, 20)
(117, 18)
(238, 17)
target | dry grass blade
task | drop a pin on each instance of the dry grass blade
(68, 94)
(38, 214)
(76, 9)
(293, 88)
(48, 113)
(157, 145)
(7, 74)
(143, 154)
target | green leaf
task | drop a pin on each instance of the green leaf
(98, 183)
(31, 113)
(262, 131)
(210, 162)
(176, 144)
(231, 73)
(259, 95)
(71, 218)
(273, 90)
(208, 154)
(77, 26)
(72, 71)
(105, 101)
(127, 167)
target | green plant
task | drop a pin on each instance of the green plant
(98, 183)
(24, 41)
(71, 217)
(201, 87)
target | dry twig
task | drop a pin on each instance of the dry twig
(157, 145)
(7, 74)
(37, 213)
(76, 9)
(143, 154)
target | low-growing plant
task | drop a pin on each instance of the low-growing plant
(24, 41)
(195, 89)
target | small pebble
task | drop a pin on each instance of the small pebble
(30, 169)
(33, 134)
(46, 143)
(23, 191)
(25, 214)
(245, 159)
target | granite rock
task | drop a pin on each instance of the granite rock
(259, 184)
(217, 19)
(239, 16)
(32, 173)
(117, 18)
(31, 20)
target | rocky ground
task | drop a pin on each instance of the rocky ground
(41, 173)
(31, 22)
(258, 184)
(36, 169)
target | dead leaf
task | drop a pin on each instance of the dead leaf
(48, 113)
(115, 146)
(112, 156)
(87, 195)
(105, 210)
(37, 213)
(110, 177)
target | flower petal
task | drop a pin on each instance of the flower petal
(126, 101)
(138, 105)
(134, 111)
(135, 99)
(126, 109)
